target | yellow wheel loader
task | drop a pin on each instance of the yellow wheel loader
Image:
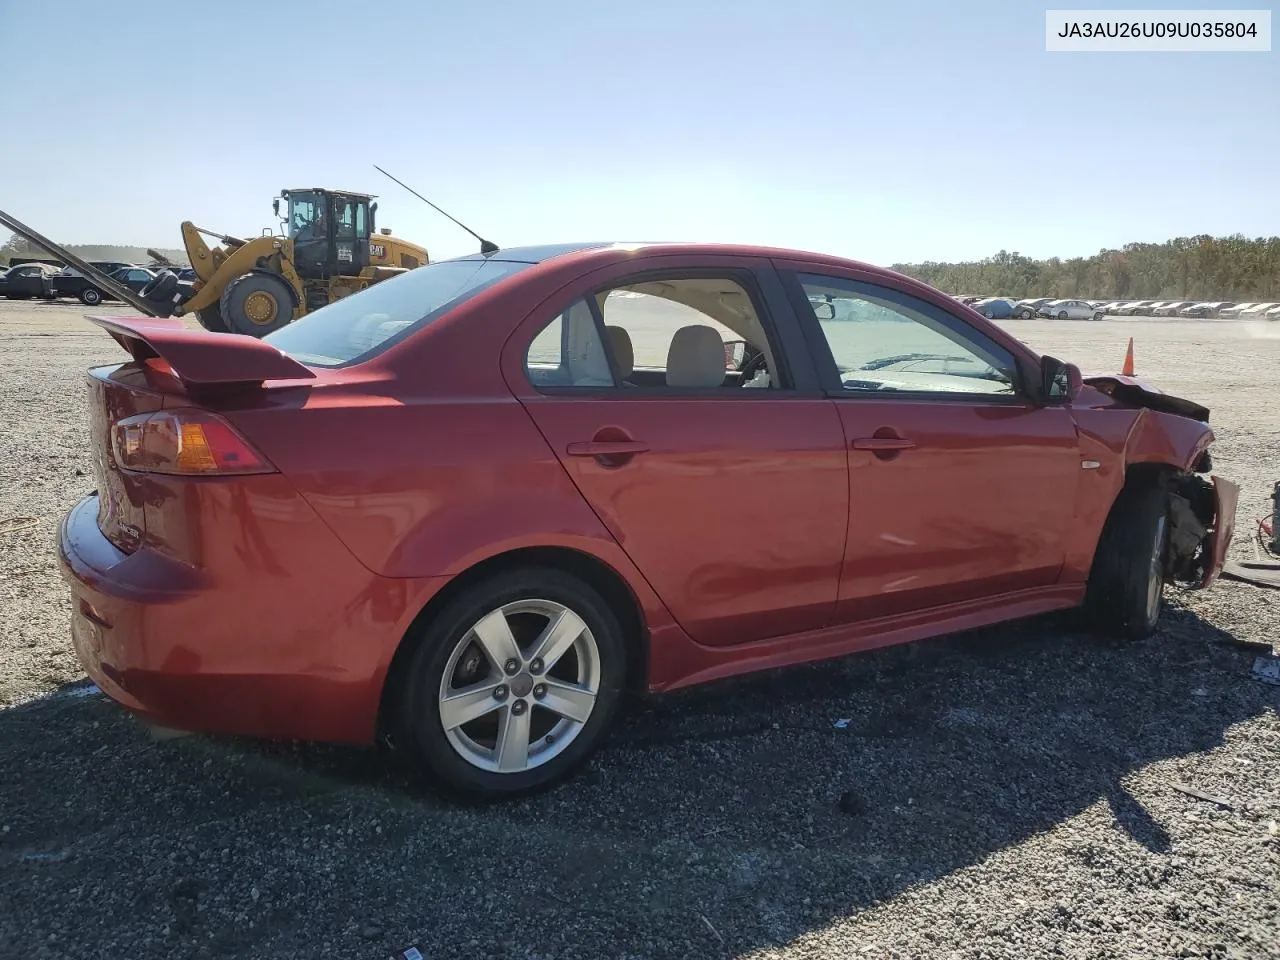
(329, 248)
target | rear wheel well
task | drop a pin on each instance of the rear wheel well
(596, 573)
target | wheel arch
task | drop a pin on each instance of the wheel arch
(596, 573)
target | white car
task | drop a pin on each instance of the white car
(1239, 308)
(1069, 310)
(1258, 311)
(1112, 307)
(1171, 308)
(1273, 313)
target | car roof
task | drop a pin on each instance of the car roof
(546, 252)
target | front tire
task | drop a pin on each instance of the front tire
(513, 685)
(1097, 316)
(90, 296)
(1126, 584)
(256, 304)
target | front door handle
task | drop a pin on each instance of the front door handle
(882, 443)
(606, 448)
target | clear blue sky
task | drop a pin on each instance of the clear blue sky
(885, 131)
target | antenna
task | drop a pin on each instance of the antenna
(486, 246)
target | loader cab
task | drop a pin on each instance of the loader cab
(330, 232)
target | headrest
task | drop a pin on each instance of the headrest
(696, 357)
(623, 353)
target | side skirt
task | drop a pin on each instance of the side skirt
(701, 664)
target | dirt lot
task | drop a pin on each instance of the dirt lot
(1006, 793)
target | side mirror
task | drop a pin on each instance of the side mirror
(373, 208)
(1059, 380)
(275, 206)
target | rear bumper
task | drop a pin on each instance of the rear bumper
(1226, 495)
(294, 657)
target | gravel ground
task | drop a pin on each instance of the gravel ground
(1011, 792)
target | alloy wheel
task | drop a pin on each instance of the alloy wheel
(519, 686)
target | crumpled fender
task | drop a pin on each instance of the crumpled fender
(1158, 437)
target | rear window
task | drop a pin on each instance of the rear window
(355, 327)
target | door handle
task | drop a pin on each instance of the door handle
(882, 443)
(606, 448)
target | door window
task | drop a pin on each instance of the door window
(568, 352)
(884, 341)
(344, 216)
(681, 333)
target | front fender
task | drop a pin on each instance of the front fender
(1166, 438)
(1117, 439)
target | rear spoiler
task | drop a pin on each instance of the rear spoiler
(200, 358)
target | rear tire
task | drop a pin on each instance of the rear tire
(1126, 584)
(524, 705)
(256, 304)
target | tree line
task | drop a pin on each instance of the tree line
(1233, 268)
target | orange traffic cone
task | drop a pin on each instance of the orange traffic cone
(1127, 370)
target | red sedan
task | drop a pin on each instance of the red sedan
(468, 508)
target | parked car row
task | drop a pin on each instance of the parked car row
(41, 281)
(1001, 308)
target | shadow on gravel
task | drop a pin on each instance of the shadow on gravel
(717, 821)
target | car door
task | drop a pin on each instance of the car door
(961, 488)
(730, 497)
(26, 281)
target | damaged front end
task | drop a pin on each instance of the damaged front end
(1201, 523)
(1202, 509)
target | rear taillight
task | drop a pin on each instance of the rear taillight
(187, 442)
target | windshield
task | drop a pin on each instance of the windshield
(350, 329)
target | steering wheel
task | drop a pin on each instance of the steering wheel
(751, 366)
